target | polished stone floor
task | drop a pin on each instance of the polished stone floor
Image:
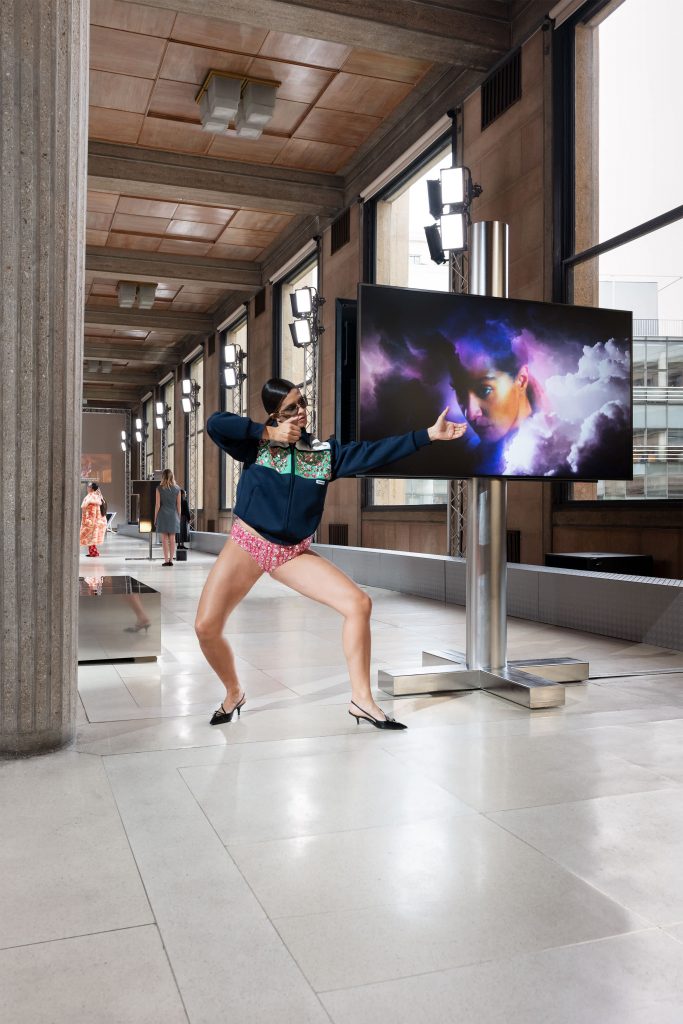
(490, 865)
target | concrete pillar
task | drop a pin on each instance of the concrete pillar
(43, 137)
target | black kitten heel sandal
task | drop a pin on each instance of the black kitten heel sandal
(220, 715)
(379, 723)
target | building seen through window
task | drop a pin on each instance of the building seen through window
(632, 174)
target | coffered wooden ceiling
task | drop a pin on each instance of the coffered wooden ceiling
(205, 216)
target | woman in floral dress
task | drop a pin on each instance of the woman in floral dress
(93, 523)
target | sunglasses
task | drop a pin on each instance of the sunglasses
(292, 410)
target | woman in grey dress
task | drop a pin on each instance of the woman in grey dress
(167, 514)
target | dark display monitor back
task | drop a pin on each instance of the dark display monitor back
(545, 389)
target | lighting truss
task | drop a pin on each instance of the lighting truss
(305, 331)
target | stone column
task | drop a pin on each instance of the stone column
(43, 141)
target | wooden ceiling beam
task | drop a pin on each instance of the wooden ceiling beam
(102, 395)
(472, 34)
(140, 354)
(150, 319)
(129, 265)
(181, 177)
(120, 377)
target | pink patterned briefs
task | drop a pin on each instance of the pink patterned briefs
(267, 556)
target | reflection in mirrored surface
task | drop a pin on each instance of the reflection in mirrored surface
(119, 617)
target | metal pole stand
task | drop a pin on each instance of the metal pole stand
(531, 682)
(144, 558)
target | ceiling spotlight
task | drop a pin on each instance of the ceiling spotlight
(126, 291)
(301, 332)
(146, 295)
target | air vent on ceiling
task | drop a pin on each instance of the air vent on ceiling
(260, 302)
(341, 230)
(501, 89)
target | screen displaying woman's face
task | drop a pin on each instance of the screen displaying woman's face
(492, 402)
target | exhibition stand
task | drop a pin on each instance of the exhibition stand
(533, 683)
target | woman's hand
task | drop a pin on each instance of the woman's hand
(287, 432)
(445, 431)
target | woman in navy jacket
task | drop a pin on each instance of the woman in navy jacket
(280, 500)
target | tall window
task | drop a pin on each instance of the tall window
(402, 259)
(292, 358)
(148, 426)
(627, 249)
(169, 402)
(236, 334)
(194, 456)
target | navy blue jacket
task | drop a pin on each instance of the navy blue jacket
(282, 487)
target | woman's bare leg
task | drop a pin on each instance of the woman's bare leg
(232, 577)
(319, 579)
(171, 546)
(164, 546)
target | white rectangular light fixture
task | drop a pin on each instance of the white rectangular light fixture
(231, 353)
(301, 332)
(138, 436)
(123, 435)
(123, 446)
(244, 130)
(258, 103)
(230, 376)
(302, 301)
(126, 292)
(146, 295)
(159, 408)
(453, 186)
(186, 404)
(138, 425)
(145, 526)
(159, 422)
(219, 102)
(187, 386)
(453, 232)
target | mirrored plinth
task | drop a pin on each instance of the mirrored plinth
(118, 617)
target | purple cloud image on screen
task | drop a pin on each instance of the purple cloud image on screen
(545, 389)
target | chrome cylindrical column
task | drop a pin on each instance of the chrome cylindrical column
(486, 641)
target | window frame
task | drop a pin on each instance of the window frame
(370, 206)
(241, 321)
(565, 258)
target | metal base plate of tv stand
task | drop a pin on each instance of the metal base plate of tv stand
(533, 682)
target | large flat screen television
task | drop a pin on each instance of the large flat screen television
(545, 389)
